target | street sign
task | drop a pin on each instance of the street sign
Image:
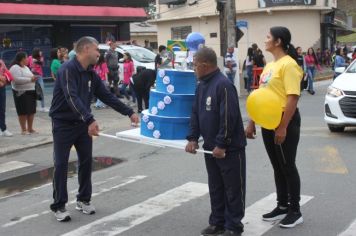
(242, 24)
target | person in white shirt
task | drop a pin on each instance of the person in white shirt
(23, 87)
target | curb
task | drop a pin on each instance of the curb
(324, 78)
(18, 148)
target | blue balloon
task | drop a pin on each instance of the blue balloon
(193, 41)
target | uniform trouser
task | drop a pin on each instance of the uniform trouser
(2, 108)
(282, 158)
(227, 188)
(65, 135)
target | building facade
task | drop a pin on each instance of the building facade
(313, 23)
(49, 23)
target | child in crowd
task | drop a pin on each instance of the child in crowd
(102, 70)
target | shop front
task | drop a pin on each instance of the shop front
(25, 26)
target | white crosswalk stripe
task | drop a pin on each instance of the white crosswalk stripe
(350, 231)
(13, 165)
(125, 182)
(130, 217)
(254, 225)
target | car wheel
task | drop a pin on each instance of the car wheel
(338, 129)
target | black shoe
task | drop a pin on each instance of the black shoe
(231, 233)
(212, 230)
(119, 96)
(312, 92)
(291, 220)
(276, 214)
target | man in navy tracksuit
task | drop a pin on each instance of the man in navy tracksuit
(216, 117)
(73, 124)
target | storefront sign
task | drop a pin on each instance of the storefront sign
(276, 3)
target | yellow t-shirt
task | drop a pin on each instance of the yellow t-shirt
(282, 77)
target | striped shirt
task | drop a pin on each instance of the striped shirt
(229, 59)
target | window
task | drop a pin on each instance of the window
(180, 32)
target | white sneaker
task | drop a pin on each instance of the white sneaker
(85, 207)
(62, 215)
(6, 133)
(44, 109)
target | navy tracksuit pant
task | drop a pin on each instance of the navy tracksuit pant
(65, 135)
(227, 188)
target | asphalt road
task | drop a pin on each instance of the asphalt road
(163, 191)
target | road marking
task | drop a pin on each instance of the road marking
(350, 231)
(132, 216)
(13, 165)
(22, 219)
(129, 180)
(104, 190)
(254, 225)
(329, 160)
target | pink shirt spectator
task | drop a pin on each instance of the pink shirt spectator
(129, 69)
(102, 70)
(35, 65)
(310, 61)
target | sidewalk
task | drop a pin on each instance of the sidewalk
(108, 119)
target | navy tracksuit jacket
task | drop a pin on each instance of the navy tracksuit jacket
(217, 118)
(71, 115)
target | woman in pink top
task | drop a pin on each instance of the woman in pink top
(311, 62)
(101, 68)
(129, 70)
(35, 63)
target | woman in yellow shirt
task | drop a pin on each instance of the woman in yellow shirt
(283, 76)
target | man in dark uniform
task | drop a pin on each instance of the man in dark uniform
(216, 117)
(73, 124)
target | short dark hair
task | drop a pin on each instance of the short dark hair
(338, 51)
(53, 53)
(84, 41)
(207, 55)
(18, 58)
(36, 53)
(161, 48)
(128, 56)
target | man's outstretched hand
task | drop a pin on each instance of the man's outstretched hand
(134, 119)
(93, 129)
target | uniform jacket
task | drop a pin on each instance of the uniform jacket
(216, 114)
(73, 92)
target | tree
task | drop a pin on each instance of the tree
(151, 9)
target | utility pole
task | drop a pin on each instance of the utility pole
(230, 15)
(227, 18)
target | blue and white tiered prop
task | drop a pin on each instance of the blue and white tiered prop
(170, 105)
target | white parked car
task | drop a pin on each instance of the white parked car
(340, 100)
(140, 56)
